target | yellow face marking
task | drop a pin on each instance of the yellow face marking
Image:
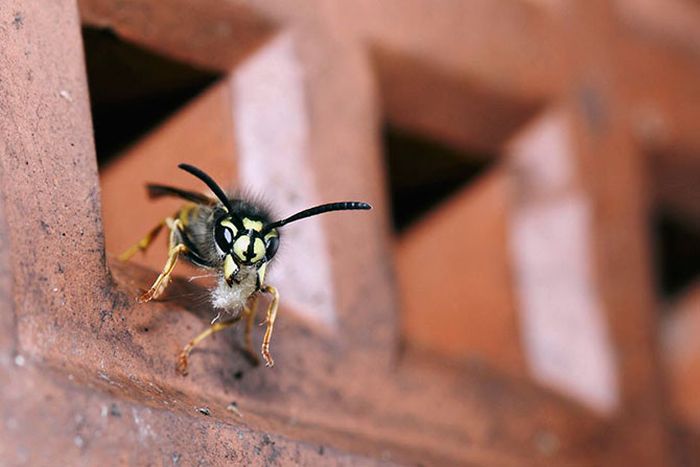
(240, 247)
(230, 267)
(258, 250)
(261, 274)
(229, 224)
(271, 234)
(250, 224)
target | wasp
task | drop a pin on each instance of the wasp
(234, 237)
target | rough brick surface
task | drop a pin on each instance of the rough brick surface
(87, 374)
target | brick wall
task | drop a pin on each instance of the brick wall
(522, 313)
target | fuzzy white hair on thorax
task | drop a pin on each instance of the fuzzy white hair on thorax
(232, 298)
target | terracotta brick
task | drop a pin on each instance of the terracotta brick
(72, 341)
(566, 337)
(681, 355)
(77, 350)
(455, 109)
(200, 34)
(200, 134)
(614, 178)
(454, 276)
(505, 46)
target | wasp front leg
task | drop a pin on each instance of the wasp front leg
(270, 321)
(175, 249)
(182, 361)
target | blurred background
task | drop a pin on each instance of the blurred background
(527, 288)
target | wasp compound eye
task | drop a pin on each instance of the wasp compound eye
(223, 235)
(273, 244)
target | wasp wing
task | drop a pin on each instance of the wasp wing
(158, 191)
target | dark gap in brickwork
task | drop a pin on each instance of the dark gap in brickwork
(132, 90)
(677, 253)
(423, 173)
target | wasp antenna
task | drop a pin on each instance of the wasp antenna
(216, 189)
(316, 210)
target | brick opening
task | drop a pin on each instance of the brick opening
(449, 209)
(423, 173)
(132, 90)
(449, 195)
(677, 253)
(675, 220)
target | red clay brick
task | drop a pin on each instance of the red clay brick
(681, 355)
(72, 341)
(455, 279)
(199, 134)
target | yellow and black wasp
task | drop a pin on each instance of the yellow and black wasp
(234, 237)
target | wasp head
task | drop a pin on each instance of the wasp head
(244, 244)
(250, 243)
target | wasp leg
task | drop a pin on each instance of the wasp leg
(174, 251)
(184, 355)
(143, 244)
(249, 312)
(270, 321)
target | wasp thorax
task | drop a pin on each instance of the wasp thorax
(225, 232)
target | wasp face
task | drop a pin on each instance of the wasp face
(244, 245)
